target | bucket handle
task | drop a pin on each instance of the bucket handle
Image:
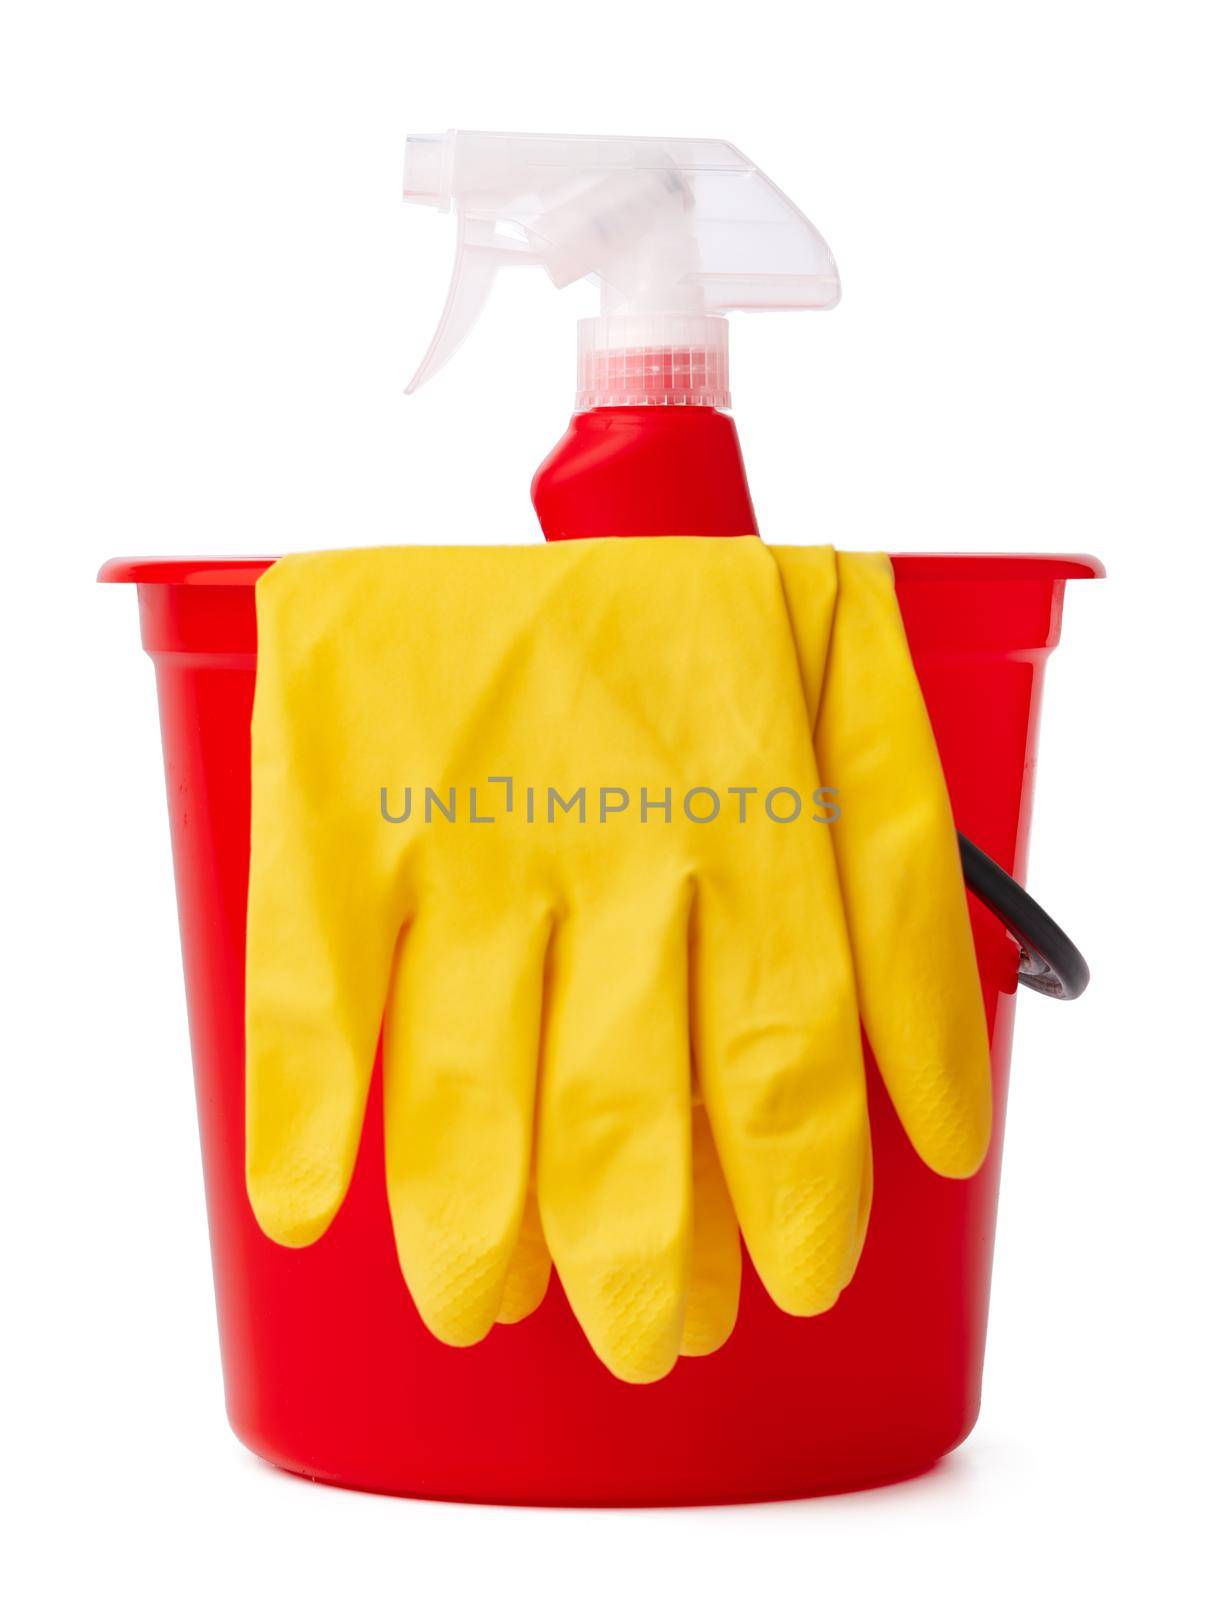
(1049, 960)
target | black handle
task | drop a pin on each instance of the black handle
(1049, 961)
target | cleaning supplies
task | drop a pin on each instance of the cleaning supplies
(676, 233)
(550, 814)
(670, 999)
(327, 1369)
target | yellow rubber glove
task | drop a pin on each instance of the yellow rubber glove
(895, 847)
(895, 844)
(585, 956)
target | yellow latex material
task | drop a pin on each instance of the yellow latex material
(602, 1039)
(895, 845)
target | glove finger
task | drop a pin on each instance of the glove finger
(460, 1052)
(903, 886)
(526, 1282)
(780, 1061)
(319, 952)
(614, 1157)
(715, 1285)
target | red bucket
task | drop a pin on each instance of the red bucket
(328, 1369)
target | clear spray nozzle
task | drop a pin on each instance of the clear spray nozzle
(675, 233)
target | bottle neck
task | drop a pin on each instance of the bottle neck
(645, 471)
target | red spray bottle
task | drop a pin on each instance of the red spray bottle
(675, 233)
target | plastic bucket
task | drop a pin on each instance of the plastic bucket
(329, 1371)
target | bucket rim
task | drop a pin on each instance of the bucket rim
(217, 572)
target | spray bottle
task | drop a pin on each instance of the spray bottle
(675, 233)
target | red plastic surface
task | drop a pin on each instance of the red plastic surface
(328, 1370)
(645, 470)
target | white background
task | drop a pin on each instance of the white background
(212, 298)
